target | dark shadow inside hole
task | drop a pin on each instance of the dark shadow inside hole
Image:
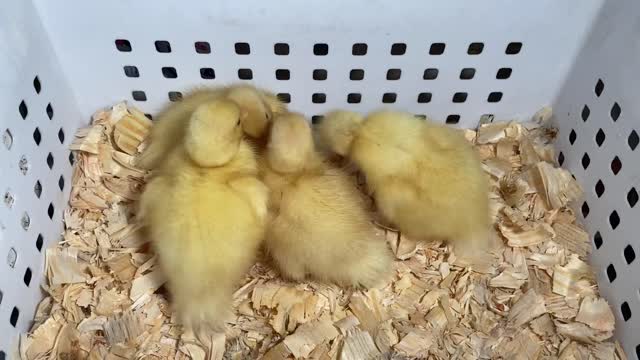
(245, 74)
(202, 47)
(398, 49)
(597, 240)
(123, 45)
(22, 108)
(50, 161)
(37, 137)
(61, 183)
(572, 136)
(585, 209)
(50, 111)
(633, 140)
(586, 160)
(174, 96)
(389, 98)
(36, 85)
(281, 49)
(513, 48)
(319, 98)
(494, 97)
(599, 188)
(467, 73)
(459, 97)
(453, 119)
(632, 197)
(504, 73)
(283, 74)
(320, 49)
(560, 158)
(39, 242)
(599, 87)
(424, 97)
(437, 49)
(611, 273)
(207, 73)
(163, 46)
(359, 49)
(319, 74)
(15, 314)
(629, 254)
(242, 48)
(615, 112)
(354, 98)
(616, 165)
(139, 95)
(626, 311)
(27, 277)
(131, 71)
(430, 74)
(475, 48)
(37, 189)
(284, 97)
(394, 74)
(50, 211)
(614, 220)
(169, 72)
(600, 137)
(356, 74)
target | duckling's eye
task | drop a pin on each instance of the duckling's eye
(267, 115)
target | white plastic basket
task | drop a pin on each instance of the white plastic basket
(453, 60)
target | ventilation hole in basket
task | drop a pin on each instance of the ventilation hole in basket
(629, 254)
(626, 311)
(504, 73)
(23, 165)
(1, 296)
(9, 199)
(242, 48)
(169, 72)
(424, 97)
(61, 135)
(61, 183)
(513, 48)
(207, 73)
(616, 165)
(27, 277)
(611, 273)
(586, 160)
(284, 97)
(633, 140)
(139, 95)
(37, 137)
(123, 45)
(36, 85)
(319, 98)
(37, 189)
(131, 71)
(430, 74)
(22, 108)
(7, 139)
(3, 356)
(475, 48)
(359, 49)
(632, 197)
(459, 97)
(283, 74)
(174, 96)
(148, 116)
(597, 240)
(12, 257)
(72, 158)
(437, 49)
(50, 111)
(453, 119)
(389, 98)
(494, 97)
(398, 49)
(319, 74)
(15, 314)
(615, 112)
(394, 74)
(320, 49)
(245, 74)
(50, 211)
(600, 137)
(599, 87)
(50, 161)
(39, 242)
(572, 137)
(467, 73)
(356, 74)
(560, 158)
(316, 119)
(281, 49)
(585, 113)
(614, 220)
(585, 209)
(421, 116)
(354, 98)
(202, 47)
(25, 221)
(599, 188)
(163, 46)
(638, 351)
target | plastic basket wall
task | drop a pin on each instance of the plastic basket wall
(453, 61)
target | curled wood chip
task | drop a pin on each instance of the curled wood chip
(596, 313)
(574, 278)
(555, 184)
(583, 333)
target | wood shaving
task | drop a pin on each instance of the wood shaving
(534, 296)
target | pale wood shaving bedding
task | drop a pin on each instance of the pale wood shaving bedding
(533, 297)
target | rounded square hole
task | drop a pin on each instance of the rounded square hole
(633, 140)
(163, 46)
(283, 74)
(50, 111)
(475, 48)
(354, 98)
(356, 74)
(174, 96)
(459, 97)
(22, 108)
(503, 73)
(245, 74)
(615, 112)
(321, 49)
(169, 72)
(139, 95)
(36, 85)
(467, 73)
(123, 45)
(319, 98)
(629, 254)
(27, 277)
(513, 48)
(398, 49)
(389, 98)
(202, 47)
(424, 97)
(494, 97)
(632, 197)
(207, 73)
(284, 97)
(436, 49)
(394, 74)
(281, 49)
(430, 74)
(359, 49)
(597, 240)
(319, 74)
(242, 48)
(599, 88)
(131, 71)
(453, 119)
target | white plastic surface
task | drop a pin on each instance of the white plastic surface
(566, 47)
